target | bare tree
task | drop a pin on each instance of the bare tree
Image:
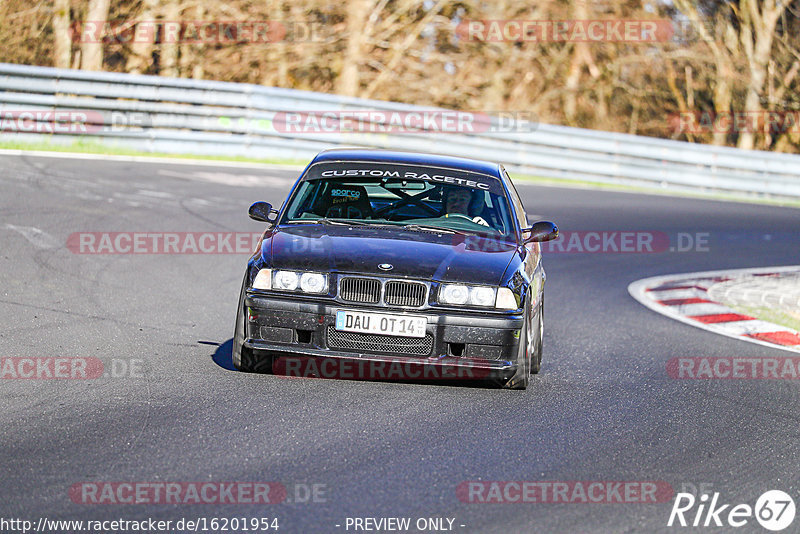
(62, 44)
(276, 52)
(348, 81)
(743, 55)
(144, 38)
(400, 47)
(581, 55)
(723, 62)
(92, 49)
(758, 22)
(191, 60)
(170, 42)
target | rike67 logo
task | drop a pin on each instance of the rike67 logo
(774, 510)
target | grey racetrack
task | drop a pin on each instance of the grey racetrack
(602, 409)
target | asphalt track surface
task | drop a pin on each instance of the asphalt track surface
(603, 407)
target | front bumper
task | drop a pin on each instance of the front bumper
(298, 333)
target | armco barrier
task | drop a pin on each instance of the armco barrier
(218, 118)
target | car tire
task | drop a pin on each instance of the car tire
(536, 358)
(245, 359)
(522, 377)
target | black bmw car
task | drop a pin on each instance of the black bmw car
(384, 264)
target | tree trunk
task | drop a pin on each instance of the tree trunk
(348, 82)
(62, 49)
(92, 52)
(169, 46)
(723, 75)
(757, 36)
(722, 94)
(189, 64)
(580, 51)
(141, 56)
(275, 53)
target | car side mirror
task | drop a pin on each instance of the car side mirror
(540, 231)
(262, 211)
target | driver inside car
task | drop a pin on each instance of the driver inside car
(457, 203)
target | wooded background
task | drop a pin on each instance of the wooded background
(723, 56)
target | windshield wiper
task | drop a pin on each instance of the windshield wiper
(340, 222)
(429, 228)
(411, 226)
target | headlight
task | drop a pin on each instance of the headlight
(286, 280)
(454, 294)
(506, 300)
(313, 283)
(291, 281)
(263, 279)
(472, 295)
(482, 296)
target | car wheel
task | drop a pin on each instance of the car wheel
(536, 359)
(244, 359)
(522, 376)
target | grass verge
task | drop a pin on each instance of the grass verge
(779, 317)
(83, 146)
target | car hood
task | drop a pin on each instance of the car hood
(412, 254)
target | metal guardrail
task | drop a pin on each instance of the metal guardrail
(218, 118)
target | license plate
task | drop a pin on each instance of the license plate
(381, 323)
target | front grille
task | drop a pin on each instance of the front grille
(404, 293)
(353, 341)
(365, 290)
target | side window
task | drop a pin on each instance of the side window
(519, 209)
(304, 199)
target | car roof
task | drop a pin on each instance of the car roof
(398, 156)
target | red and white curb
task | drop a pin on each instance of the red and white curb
(686, 298)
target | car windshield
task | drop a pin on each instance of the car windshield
(416, 197)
